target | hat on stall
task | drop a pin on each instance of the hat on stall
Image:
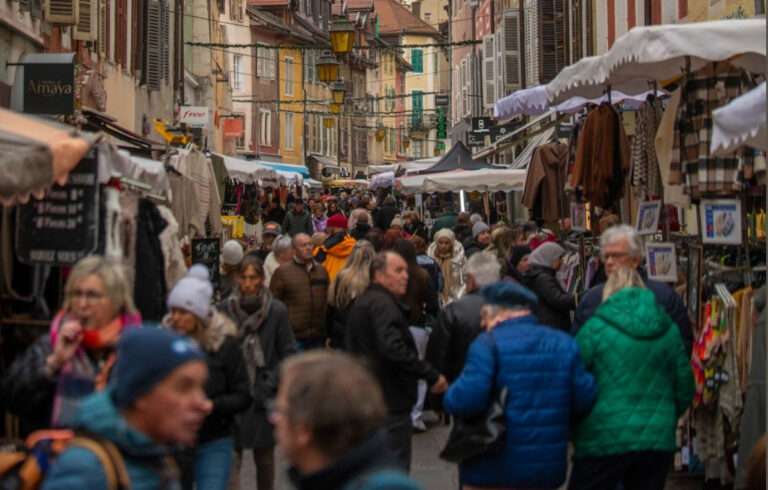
(193, 292)
(145, 357)
(232, 253)
(478, 228)
(338, 220)
(508, 294)
(272, 228)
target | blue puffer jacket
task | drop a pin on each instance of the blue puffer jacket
(80, 468)
(548, 388)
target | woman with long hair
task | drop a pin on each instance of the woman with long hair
(449, 254)
(635, 351)
(351, 282)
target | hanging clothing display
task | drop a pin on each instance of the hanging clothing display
(149, 293)
(175, 266)
(196, 167)
(646, 179)
(543, 193)
(692, 164)
(602, 157)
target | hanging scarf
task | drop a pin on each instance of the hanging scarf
(251, 312)
(81, 376)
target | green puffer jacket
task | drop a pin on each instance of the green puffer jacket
(643, 375)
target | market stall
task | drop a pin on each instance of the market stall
(484, 180)
(743, 122)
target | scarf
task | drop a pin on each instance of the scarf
(251, 313)
(81, 376)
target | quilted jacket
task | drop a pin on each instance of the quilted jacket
(548, 387)
(643, 373)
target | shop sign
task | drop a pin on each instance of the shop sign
(481, 125)
(194, 116)
(49, 85)
(441, 100)
(475, 139)
(63, 227)
(206, 251)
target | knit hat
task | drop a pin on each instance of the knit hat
(193, 292)
(475, 218)
(232, 253)
(146, 356)
(445, 233)
(338, 220)
(545, 254)
(478, 228)
(508, 294)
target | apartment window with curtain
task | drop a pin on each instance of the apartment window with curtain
(288, 130)
(237, 68)
(265, 127)
(265, 63)
(288, 76)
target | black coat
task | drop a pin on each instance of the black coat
(378, 331)
(227, 387)
(555, 304)
(471, 247)
(384, 216)
(457, 327)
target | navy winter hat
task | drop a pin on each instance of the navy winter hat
(145, 356)
(508, 294)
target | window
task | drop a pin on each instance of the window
(289, 77)
(288, 131)
(309, 66)
(265, 63)
(237, 72)
(417, 108)
(417, 60)
(265, 127)
(418, 148)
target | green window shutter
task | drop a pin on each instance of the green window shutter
(418, 108)
(417, 60)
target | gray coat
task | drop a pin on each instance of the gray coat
(253, 429)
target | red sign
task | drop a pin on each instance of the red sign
(234, 127)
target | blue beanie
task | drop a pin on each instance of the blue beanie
(509, 294)
(146, 356)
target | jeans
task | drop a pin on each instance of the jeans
(399, 430)
(420, 338)
(640, 470)
(207, 466)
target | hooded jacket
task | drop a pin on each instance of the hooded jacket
(458, 260)
(78, 467)
(334, 252)
(555, 304)
(635, 352)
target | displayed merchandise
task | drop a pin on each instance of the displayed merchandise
(648, 213)
(721, 221)
(661, 262)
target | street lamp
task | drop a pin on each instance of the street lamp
(335, 108)
(327, 68)
(342, 36)
(338, 89)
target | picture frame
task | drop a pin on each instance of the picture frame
(694, 275)
(578, 216)
(661, 261)
(647, 220)
(721, 221)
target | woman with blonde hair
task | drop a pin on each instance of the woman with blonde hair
(350, 283)
(45, 385)
(449, 254)
(637, 355)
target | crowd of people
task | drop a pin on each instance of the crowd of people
(331, 335)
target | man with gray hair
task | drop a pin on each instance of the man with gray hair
(620, 247)
(282, 253)
(459, 323)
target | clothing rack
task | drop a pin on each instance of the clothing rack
(143, 189)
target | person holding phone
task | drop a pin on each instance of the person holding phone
(46, 384)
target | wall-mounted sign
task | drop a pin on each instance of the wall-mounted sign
(49, 83)
(481, 124)
(194, 116)
(441, 100)
(721, 221)
(475, 139)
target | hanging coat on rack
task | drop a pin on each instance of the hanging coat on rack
(149, 291)
(544, 185)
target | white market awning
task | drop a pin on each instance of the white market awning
(464, 180)
(742, 122)
(247, 171)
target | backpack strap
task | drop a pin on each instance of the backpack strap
(110, 458)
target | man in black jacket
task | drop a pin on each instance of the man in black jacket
(378, 331)
(386, 213)
(620, 246)
(459, 323)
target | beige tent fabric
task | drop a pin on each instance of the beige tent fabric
(673, 194)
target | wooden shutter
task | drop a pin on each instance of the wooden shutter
(154, 60)
(87, 19)
(552, 38)
(532, 45)
(61, 11)
(165, 44)
(499, 64)
(511, 50)
(102, 41)
(417, 60)
(489, 71)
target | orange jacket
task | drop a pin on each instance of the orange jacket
(334, 252)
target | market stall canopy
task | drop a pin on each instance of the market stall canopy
(35, 153)
(409, 166)
(286, 167)
(313, 184)
(459, 158)
(382, 181)
(247, 171)
(492, 179)
(742, 122)
(523, 160)
(662, 53)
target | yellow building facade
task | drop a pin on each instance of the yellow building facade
(701, 10)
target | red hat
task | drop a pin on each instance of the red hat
(338, 220)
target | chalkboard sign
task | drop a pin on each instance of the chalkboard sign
(206, 251)
(63, 227)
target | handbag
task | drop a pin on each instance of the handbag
(482, 434)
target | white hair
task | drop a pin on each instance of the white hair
(623, 232)
(282, 245)
(484, 268)
(475, 218)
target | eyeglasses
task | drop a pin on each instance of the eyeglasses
(89, 295)
(614, 255)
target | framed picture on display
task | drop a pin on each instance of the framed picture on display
(693, 295)
(578, 216)
(721, 221)
(661, 262)
(648, 213)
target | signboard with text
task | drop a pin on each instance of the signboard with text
(49, 88)
(194, 116)
(481, 124)
(441, 100)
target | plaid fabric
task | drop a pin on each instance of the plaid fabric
(692, 165)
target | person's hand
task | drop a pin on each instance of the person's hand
(440, 386)
(70, 335)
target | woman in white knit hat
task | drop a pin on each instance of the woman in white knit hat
(208, 464)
